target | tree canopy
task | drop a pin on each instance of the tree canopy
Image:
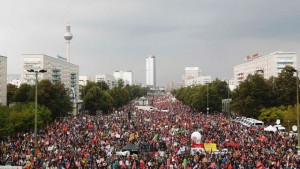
(20, 117)
(96, 97)
(256, 97)
(53, 96)
(202, 96)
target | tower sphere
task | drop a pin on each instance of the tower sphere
(68, 36)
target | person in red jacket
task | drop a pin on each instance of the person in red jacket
(229, 166)
(142, 165)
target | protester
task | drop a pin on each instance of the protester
(164, 140)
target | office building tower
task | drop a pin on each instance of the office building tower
(84, 79)
(267, 65)
(108, 79)
(192, 77)
(3, 80)
(151, 72)
(58, 70)
(191, 72)
(126, 76)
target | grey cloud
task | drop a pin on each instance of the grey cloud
(115, 35)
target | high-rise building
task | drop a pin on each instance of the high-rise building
(108, 79)
(267, 65)
(3, 80)
(199, 80)
(191, 72)
(58, 70)
(192, 76)
(151, 71)
(84, 79)
(126, 76)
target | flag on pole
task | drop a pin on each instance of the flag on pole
(155, 137)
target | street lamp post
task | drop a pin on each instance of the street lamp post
(207, 108)
(297, 107)
(228, 104)
(35, 111)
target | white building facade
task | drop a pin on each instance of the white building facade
(151, 71)
(200, 80)
(267, 65)
(3, 80)
(58, 70)
(192, 77)
(108, 79)
(126, 76)
(84, 79)
(191, 72)
(14, 79)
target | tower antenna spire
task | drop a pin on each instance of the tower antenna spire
(68, 35)
(68, 12)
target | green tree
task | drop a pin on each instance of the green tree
(218, 90)
(198, 97)
(273, 96)
(11, 92)
(285, 87)
(120, 83)
(93, 99)
(117, 97)
(290, 117)
(97, 96)
(270, 115)
(136, 91)
(107, 102)
(4, 121)
(87, 87)
(23, 93)
(20, 117)
(55, 97)
(202, 96)
(103, 85)
(251, 96)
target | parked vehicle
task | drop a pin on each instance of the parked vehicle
(279, 128)
(249, 122)
(293, 133)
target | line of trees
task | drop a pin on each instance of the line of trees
(18, 115)
(256, 97)
(202, 96)
(98, 96)
(54, 101)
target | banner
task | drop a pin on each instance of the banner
(195, 145)
(210, 147)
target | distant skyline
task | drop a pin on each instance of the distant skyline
(119, 35)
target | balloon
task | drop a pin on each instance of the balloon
(196, 136)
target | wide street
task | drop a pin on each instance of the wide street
(159, 140)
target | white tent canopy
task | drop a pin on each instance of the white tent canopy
(270, 128)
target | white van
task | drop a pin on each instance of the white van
(256, 123)
(280, 128)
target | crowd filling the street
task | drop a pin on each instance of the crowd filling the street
(132, 138)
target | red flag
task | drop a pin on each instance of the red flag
(95, 139)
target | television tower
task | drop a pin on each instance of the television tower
(68, 35)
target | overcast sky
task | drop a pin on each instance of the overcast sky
(110, 35)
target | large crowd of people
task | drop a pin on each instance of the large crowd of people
(163, 140)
